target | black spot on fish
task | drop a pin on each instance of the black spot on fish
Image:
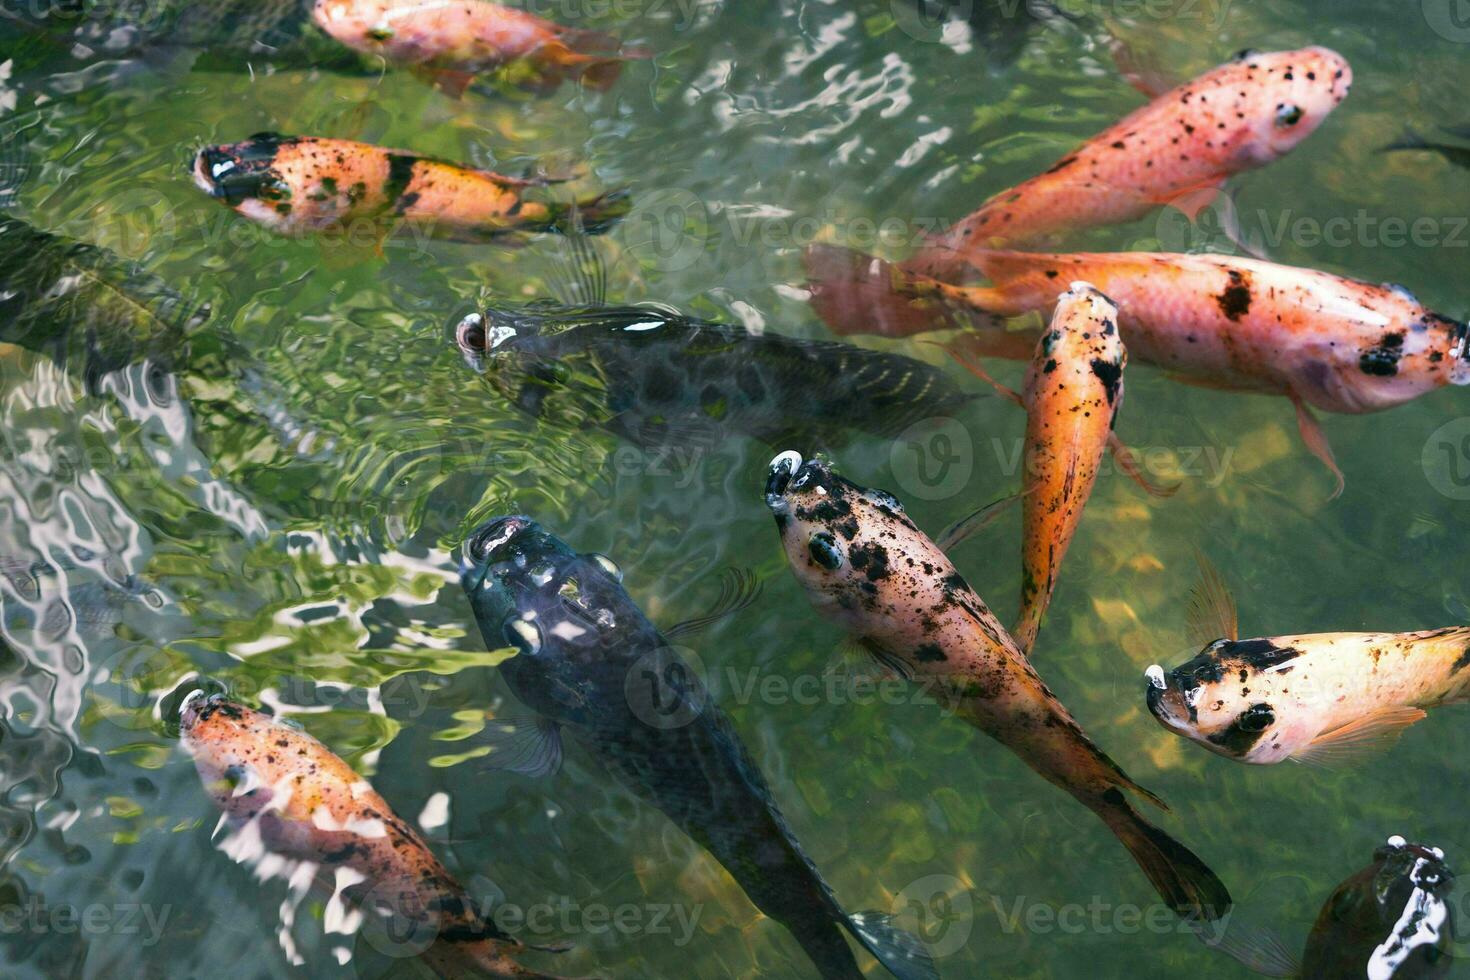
(1235, 301)
(1049, 366)
(405, 202)
(400, 175)
(1246, 730)
(1383, 359)
(1062, 164)
(929, 653)
(1260, 654)
(1110, 373)
(1463, 662)
(872, 560)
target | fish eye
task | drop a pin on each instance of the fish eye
(1288, 115)
(824, 551)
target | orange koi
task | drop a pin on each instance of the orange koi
(309, 805)
(452, 42)
(296, 185)
(1178, 149)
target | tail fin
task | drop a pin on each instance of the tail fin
(858, 293)
(593, 216)
(1185, 883)
(598, 58)
(903, 953)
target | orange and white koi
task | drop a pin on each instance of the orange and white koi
(1337, 344)
(1322, 698)
(296, 185)
(1178, 149)
(308, 805)
(866, 566)
(455, 41)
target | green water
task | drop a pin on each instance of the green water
(295, 527)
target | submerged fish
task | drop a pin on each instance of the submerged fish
(656, 377)
(454, 42)
(1178, 150)
(309, 805)
(1073, 393)
(85, 307)
(1338, 344)
(1323, 698)
(868, 568)
(1391, 921)
(583, 649)
(1454, 153)
(296, 185)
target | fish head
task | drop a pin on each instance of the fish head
(1409, 886)
(840, 539)
(532, 593)
(1283, 95)
(1083, 335)
(242, 174)
(1232, 698)
(224, 739)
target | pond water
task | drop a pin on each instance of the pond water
(270, 499)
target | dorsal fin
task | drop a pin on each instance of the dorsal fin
(578, 274)
(1212, 613)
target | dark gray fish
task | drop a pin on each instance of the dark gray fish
(86, 307)
(656, 377)
(590, 663)
(1390, 921)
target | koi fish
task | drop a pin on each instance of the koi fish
(454, 41)
(1238, 324)
(1072, 396)
(1322, 698)
(656, 377)
(1178, 149)
(866, 566)
(1391, 921)
(583, 651)
(309, 805)
(86, 307)
(296, 185)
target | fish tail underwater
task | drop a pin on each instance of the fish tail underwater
(526, 490)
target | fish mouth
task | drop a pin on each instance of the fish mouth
(1164, 703)
(484, 544)
(469, 337)
(779, 475)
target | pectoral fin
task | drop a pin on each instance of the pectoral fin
(531, 747)
(1316, 441)
(1357, 740)
(974, 366)
(1256, 948)
(1129, 465)
(739, 589)
(967, 527)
